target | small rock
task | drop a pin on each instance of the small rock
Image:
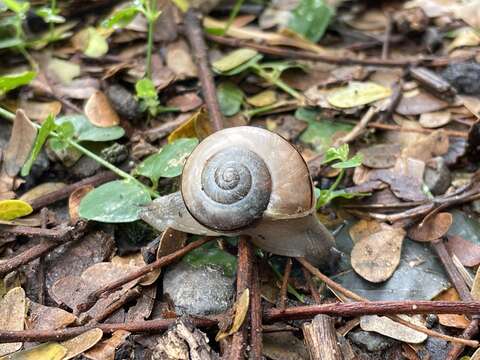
(437, 348)
(437, 176)
(124, 102)
(115, 153)
(432, 320)
(198, 290)
(432, 39)
(464, 77)
(371, 341)
(85, 167)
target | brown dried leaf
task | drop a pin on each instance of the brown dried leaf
(179, 59)
(20, 144)
(451, 320)
(419, 103)
(405, 187)
(241, 310)
(435, 144)
(100, 112)
(376, 257)
(48, 318)
(12, 316)
(364, 228)
(106, 349)
(387, 327)
(41, 190)
(433, 228)
(39, 111)
(74, 201)
(467, 252)
(381, 156)
(435, 119)
(185, 102)
(475, 291)
(81, 343)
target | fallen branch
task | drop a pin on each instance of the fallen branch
(159, 263)
(256, 320)
(194, 32)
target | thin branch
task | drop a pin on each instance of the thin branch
(256, 316)
(387, 37)
(284, 288)
(194, 32)
(358, 129)
(159, 263)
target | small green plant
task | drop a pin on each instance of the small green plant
(50, 14)
(144, 88)
(242, 60)
(15, 22)
(338, 159)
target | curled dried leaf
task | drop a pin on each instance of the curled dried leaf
(433, 228)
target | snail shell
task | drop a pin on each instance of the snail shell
(247, 180)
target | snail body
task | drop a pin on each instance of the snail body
(247, 180)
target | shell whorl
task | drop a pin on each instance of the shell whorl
(236, 186)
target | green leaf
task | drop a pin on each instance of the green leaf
(12, 81)
(47, 127)
(10, 42)
(168, 162)
(319, 132)
(310, 19)
(49, 16)
(340, 153)
(114, 202)
(211, 254)
(65, 130)
(86, 131)
(351, 163)
(326, 196)
(18, 7)
(234, 59)
(144, 88)
(96, 44)
(121, 18)
(230, 98)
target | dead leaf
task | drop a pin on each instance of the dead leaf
(74, 201)
(241, 310)
(357, 93)
(48, 351)
(185, 102)
(106, 349)
(381, 156)
(451, 320)
(405, 187)
(198, 125)
(12, 317)
(264, 98)
(387, 327)
(79, 89)
(62, 70)
(475, 291)
(363, 228)
(472, 103)
(435, 144)
(464, 37)
(99, 111)
(376, 256)
(419, 103)
(39, 111)
(467, 252)
(435, 119)
(179, 60)
(81, 343)
(433, 228)
(48, 318)
(20, 144)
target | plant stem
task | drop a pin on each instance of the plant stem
(53, 7)
(10, 116)
(277, 82)
(151, 17)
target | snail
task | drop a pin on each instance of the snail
(247, 181)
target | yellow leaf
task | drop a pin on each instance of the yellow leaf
(357, 93)
(82, 342)
(198, 125)
(234, 59)
(241, 310)
(264, 98)
(465, 37)
(12, 209)
(182, 4)
(48, 351)
(12, 317)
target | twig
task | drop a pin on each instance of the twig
(127, 297)
(358, 129)
(194, 32)
(337, 287)
(387, 37)
(360, 308)
(65, 192)
(54, 234)
(394, 100)
(284, 288)
(307, 55)
(311, 286)
(41, 261)
(452, 133)
(244, 281)
(61, 236)
(462, 289)
(321, 339)
(163, 261)
(256, 316)
(150, 326)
